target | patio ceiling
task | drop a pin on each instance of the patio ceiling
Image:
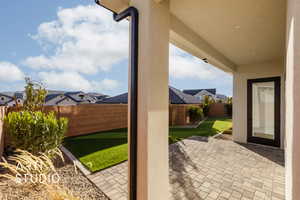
(243, 32)
(228, 33)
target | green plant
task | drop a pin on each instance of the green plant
(228, 106)
(195, 113)
(35, 131)
(207, 101)
(35, 95)
(173, 139)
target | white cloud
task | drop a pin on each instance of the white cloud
(75, 81)
(183, 65)
(10, 72)
(85, 40)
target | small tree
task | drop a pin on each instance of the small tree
(229, 106)
(195, 113)
(31, 129)
(35, 95)
(207, 101)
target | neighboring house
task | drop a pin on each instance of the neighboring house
(72, 98)
(5, 98)
(52, 98)
(81, 97)
(98, 96)
(19, 97)
(175, 97)
(119, 99)
(11, 98)
(66, 101)
(221, 98)
(201, 93)
(178, 97)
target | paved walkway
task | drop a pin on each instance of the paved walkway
(211, 169)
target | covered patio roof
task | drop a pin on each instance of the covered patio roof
(228, 33)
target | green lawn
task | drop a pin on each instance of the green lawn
(101, 150)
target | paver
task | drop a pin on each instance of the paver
(213, 169)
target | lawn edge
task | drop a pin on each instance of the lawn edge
(76, 162)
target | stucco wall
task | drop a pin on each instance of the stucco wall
(240, 77)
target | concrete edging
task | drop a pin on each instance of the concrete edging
(76, 162)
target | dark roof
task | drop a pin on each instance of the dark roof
(178, 97)
(119, 99)
(12, 95)
(52, 96)
(7, 94)
(63, 99)
(196, 91)
(175, 96)
(75, 96)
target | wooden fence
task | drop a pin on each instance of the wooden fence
(92, 118)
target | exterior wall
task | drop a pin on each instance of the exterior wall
(153, 101)
(292, 148)
(240, 77)
(217, 110)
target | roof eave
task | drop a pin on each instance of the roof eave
(115, 6)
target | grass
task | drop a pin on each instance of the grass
(102, 150)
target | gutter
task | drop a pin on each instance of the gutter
(134, 30)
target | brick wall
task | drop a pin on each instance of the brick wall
(217, 110)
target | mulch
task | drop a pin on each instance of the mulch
(70, 178)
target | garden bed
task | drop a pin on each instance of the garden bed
(70, 178)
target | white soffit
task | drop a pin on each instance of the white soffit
(244, 32)
(115, 5)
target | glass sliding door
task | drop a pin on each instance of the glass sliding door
(264, 111)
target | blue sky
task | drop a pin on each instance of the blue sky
(75, 45)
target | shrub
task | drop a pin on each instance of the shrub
(207, 101)
(35, 131)
(229, 106)
(195, 113)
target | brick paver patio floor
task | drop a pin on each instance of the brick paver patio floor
(211, 169)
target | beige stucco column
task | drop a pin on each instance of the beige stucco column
(293, 101)
(153, 181)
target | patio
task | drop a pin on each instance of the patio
(210, 169)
